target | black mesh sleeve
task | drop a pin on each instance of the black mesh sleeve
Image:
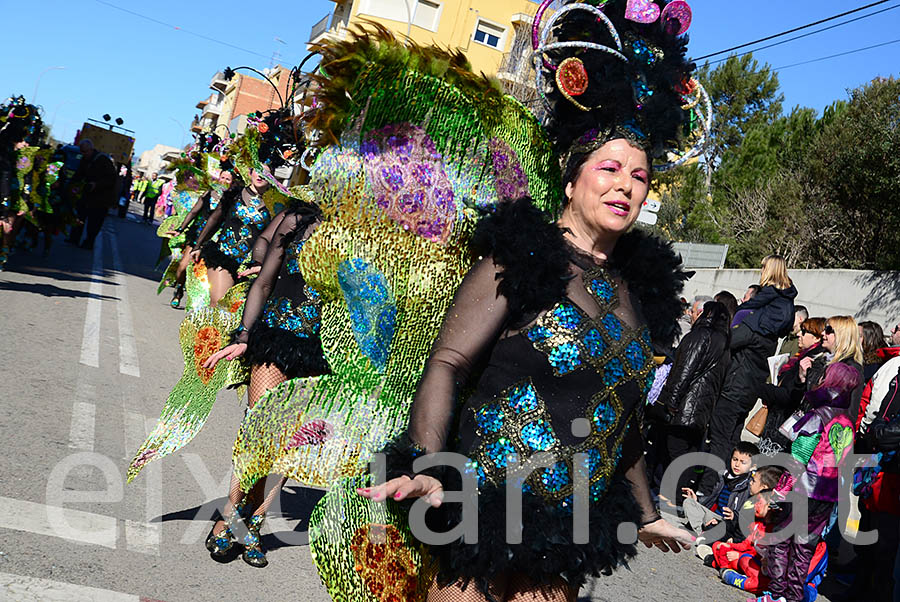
(212, 224)
(271, 267)
(264, 240)
(472, 325)
(636, 473)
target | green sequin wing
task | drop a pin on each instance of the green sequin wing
(202, 333)
(364, 551)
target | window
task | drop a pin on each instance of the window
(428, 14)
(489, 34)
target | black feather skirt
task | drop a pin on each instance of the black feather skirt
(547, 552)
(295, 356)
(214, 258)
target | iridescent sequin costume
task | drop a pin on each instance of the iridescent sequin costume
(240, 224)
(568, 380)
(282, 316)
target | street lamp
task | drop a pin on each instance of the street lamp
(182, 128)
(38, 82)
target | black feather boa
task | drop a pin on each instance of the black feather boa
(546, 552)
(534, 258)
(294, 356)
(214, 258)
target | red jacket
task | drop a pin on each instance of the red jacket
(886, 487)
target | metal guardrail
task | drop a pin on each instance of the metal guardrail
(700, 255)
(320, 27)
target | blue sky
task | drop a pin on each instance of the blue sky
(152, 75)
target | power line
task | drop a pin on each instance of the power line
(784, 33)
(805, 35)
(832, 56)
(187, 31)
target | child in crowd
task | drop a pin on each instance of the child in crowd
(822, 439)
(732, 490)
(739, 563)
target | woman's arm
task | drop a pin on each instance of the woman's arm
(262, 287)
(194, 212)
(212, 224)
(264, 240)
(471, 327)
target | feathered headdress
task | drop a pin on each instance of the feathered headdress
(617, 69)
(20, 121)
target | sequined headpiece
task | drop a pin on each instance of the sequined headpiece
(617, 69)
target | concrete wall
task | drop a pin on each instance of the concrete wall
(864, 295)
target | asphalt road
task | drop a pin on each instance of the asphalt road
(89, 355)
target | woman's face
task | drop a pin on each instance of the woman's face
(608, 193)
(807, 339)
(256, 178)
(828, 338)
(225, 179)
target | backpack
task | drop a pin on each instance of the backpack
(817, 567)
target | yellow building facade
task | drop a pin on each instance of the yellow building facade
(486, 31)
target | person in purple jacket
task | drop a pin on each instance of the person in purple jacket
(822, 440)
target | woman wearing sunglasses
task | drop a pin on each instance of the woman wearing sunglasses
(785, 397)
(841, 340)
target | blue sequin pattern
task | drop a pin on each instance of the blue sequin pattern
(303, 320)
(372, 309)
(516, 422)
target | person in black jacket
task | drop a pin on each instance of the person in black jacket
(758, 324)
(98, 175)
(694, 383)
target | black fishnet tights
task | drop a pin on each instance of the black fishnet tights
(512, 588)
(261, 496)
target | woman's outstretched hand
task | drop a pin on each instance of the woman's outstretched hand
(249, 271)
(229, 353)
(195, 255)
(401, 488)
(665, 536)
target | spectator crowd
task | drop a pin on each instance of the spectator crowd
(782, 398)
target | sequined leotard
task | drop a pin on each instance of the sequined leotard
(281, 318)
(569, 380)
(241, 224)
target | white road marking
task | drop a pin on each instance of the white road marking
(66, 523)
(81, 434)
(32, 589)
(128, 357)
(90, 343)
(144, 537)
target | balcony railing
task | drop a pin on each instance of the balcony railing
(218, 82)
(319, 28)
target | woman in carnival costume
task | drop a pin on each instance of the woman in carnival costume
(277, 340)
(239, 219)
(210, 188)
(207, 327)
(21, 132)
(568, 313)
(553, 330)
